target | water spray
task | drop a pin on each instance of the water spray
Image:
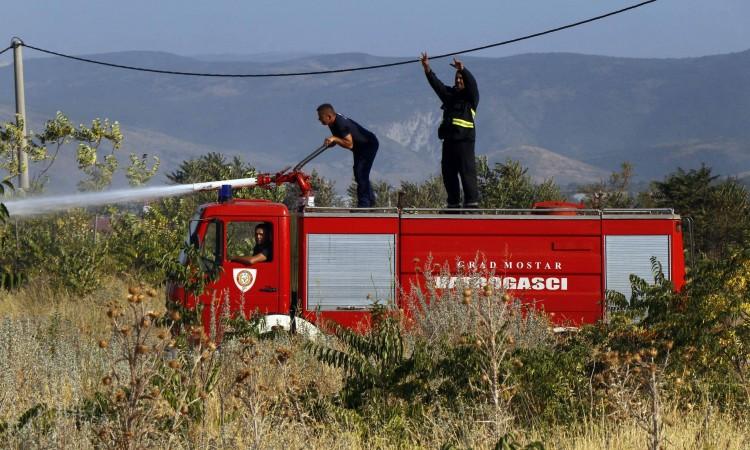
(43, 205)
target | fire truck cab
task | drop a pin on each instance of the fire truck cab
(335, 264)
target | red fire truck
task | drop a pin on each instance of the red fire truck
(335, 264)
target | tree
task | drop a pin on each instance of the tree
(720, 210)
(385, 195)
(427, 194)
(138, 173)
(507, 185)
(614, 193)
(210, 167)
(60, 132)
(215, 167)
(11, 140)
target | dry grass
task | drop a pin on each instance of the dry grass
(701, 429)
(269, 394)
(39, 300)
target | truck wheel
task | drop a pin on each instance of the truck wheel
(272, 322)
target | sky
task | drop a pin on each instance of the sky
(403, 28)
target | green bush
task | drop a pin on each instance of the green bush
(454, 353)
(64, 249)
(552, 383)
(140, 244)
(507, 185)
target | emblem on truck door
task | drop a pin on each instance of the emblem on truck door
(244, 279)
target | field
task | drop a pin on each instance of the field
(92, 357)
(67, 380)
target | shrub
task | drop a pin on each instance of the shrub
(64, 248)
(140, 245)
(455, 352)
(552, 383)
(143, 393)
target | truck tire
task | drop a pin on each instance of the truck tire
(273, 321)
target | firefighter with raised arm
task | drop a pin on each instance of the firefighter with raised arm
(457, 133)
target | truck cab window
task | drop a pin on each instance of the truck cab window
(209, 246)
(247, 241)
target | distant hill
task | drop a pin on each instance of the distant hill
(571, 117)
(266, 57)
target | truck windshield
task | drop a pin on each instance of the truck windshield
(192, 229)
(209, 247)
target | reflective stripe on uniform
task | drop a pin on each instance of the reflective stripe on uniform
(473, 113)
(462, 123)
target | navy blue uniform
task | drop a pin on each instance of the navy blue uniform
(458, 135)
(364, 150)
(265, 248)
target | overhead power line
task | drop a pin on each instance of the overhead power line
(6, 49)
(350, 69)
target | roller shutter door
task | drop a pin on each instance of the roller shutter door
(350, 271)
(627, 255)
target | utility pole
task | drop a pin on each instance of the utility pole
(23, 162)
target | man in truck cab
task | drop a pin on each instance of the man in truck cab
(263, 250)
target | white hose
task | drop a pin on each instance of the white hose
(214, 185)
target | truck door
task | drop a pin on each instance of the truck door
(240, 284)
(252, 281)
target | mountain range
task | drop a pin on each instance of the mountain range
(570, 117)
